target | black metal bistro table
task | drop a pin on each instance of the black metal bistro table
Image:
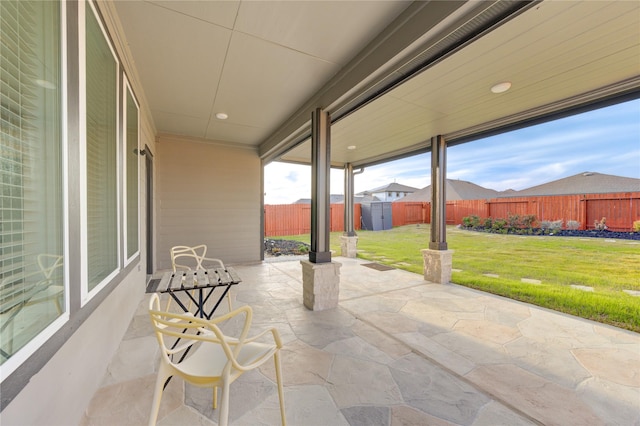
(205, 281)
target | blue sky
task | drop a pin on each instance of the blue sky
(604, 141)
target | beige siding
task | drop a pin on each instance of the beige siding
(207, 194)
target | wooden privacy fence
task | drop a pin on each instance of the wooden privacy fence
(295, 219)
(619, 209)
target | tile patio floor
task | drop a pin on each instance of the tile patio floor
(397, 351)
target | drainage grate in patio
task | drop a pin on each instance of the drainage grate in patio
(378, 267)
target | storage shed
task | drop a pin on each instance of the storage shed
(376, 215)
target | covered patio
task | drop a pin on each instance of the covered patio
(197, 97)
(398, 350)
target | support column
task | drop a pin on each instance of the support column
(320, 172)
(437, 258)
(320, 276)
(349, 240)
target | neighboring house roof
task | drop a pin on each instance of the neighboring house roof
(392, 187)
(583, 183)
(455, 190)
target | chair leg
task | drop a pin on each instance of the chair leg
(223, 417)
(276, 360)
(163, 374)
(215, 397)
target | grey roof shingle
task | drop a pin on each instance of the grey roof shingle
(455, 190)
(393, 187)
(583, 183)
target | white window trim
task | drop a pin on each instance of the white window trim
(87, 295)
(126, 89)
(19, 357)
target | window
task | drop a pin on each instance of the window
(132, 178)
(32, 289)
(101, 74)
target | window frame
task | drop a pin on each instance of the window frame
(18, 358)
(128, 90)
(86, 294)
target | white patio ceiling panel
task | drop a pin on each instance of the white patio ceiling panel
(245, 97)
(255, 61)
(260, 62)
(555, 51)
(333, 31)
(161, 55)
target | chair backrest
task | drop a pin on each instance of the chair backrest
(19, 290)
(48, 263)
(185, 257)
(180, 333)
(191, 258)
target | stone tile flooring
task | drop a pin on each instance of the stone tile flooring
(397, 351)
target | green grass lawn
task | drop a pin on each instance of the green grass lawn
(609, 267)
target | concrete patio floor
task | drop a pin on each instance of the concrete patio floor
(397, 351)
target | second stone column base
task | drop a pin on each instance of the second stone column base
(320, 285)
(437, 265)
(349, 246)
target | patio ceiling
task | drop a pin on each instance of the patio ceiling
(391, 74)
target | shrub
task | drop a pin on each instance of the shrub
(499, 225)
(551, 225)
(488, 223)
(573, 224)
(636, 226)
(471, 221)
(555, 225)
(602, 225)
(528, 220)
(513, 220)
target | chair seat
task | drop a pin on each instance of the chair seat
(208, 360)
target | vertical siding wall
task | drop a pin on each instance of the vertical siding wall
(620, 210)
(207, 194)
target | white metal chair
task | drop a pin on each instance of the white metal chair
(194, 258)
(207, 357)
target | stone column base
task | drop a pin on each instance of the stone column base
(437, 265)
(348, 246)
(320, 284)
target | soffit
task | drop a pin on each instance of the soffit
(557, 55)
(264, 62)
(255, 61)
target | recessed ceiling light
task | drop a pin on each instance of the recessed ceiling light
(351, 147)
(221, 116)
(501, 87)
